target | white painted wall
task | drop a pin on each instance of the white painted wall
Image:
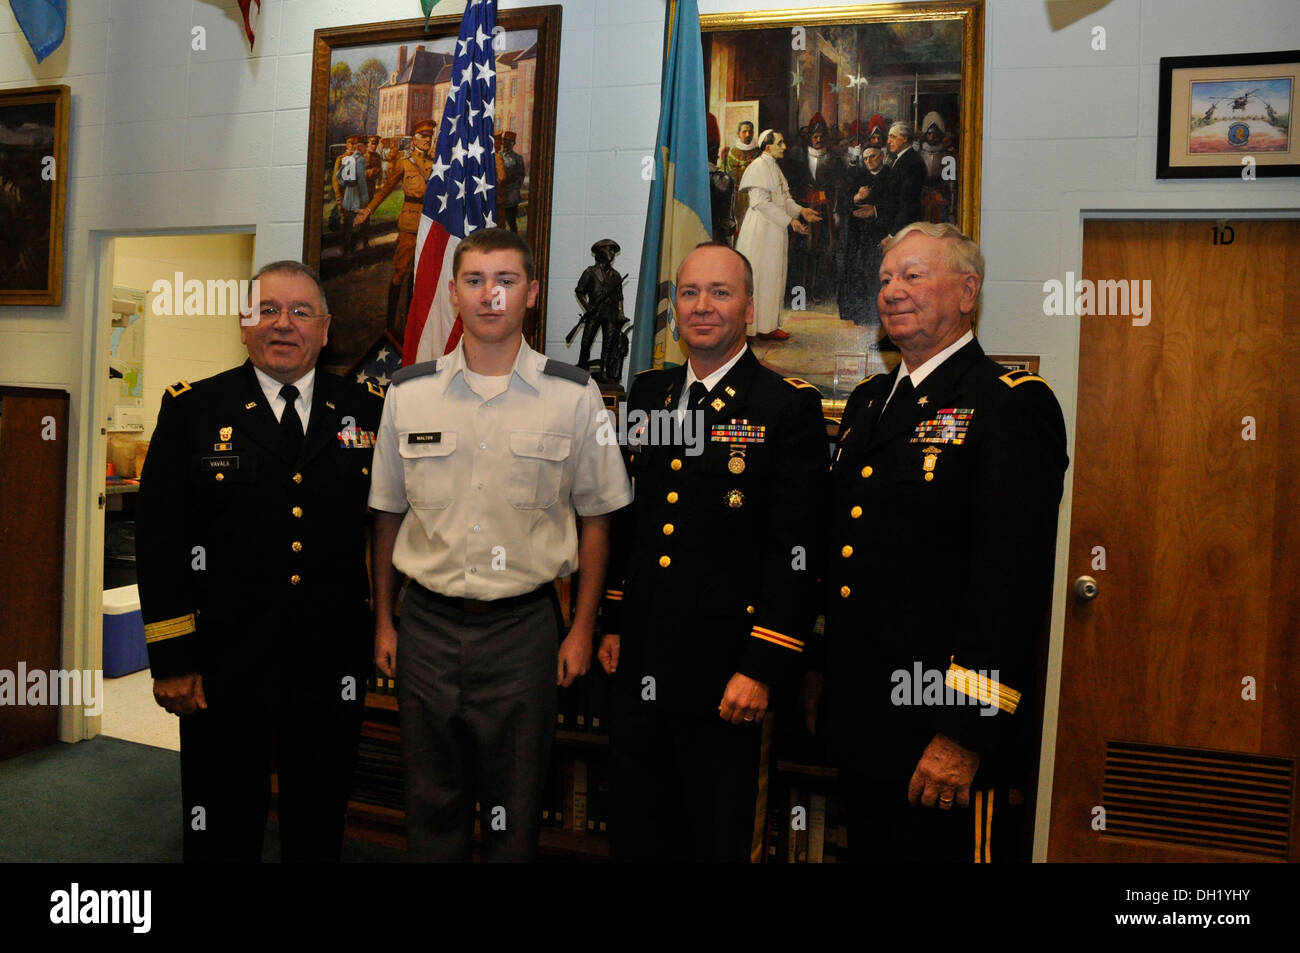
(163, 138)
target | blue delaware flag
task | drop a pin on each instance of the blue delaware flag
(679, 212)
(42, 22)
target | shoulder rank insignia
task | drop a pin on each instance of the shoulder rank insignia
(569, 372)
(415, 370)
(799, 383)
(374, 388)
(869, 377)
(179, 388)
(1016, 378)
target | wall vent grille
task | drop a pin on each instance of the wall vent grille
(1223, 800)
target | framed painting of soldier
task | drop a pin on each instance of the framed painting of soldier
(877, 109)
(378, 94)
(33, 189)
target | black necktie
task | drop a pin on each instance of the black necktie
(695, 396)
(290, 422)
(899, 401)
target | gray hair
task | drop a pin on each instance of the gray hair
(963, 255)
(903, 129)
(288, 266)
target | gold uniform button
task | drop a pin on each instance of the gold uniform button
(855, 512)
(220, 477)
(846, 552)
(749, 609)
(672, 496)
(296, 546)
(866, 472)
(365, 471)
(844, 592)
(668, 529)
(295, 579)
(676, 464)
(296, 511)
(297, 478)
(664, 561)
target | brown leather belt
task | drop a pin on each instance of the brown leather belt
(478, 606)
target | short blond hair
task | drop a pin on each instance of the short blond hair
(964, 256)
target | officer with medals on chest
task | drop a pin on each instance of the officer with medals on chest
(250, 547)
(946, 484)
(713, 575)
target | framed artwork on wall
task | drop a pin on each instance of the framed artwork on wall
(1227, 116)
(374, 84)
(832, 81)
(33, 190)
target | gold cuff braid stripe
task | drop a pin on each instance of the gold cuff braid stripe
(979, 686)
(776, 638)
(169, 628)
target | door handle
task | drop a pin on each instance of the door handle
(1086, 588)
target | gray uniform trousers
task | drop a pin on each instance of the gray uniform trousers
(476, 697)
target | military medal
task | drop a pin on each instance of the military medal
(735, 499)
(737, 462)
(930, 456)
(738, 431)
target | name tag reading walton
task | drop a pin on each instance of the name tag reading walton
(435, 437)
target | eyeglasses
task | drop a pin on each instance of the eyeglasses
(271, 312)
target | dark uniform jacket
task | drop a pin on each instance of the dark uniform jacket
(941, 556)
(714, 564)
(252, 565)
(906, 179)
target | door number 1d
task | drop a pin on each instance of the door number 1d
(1223, 234)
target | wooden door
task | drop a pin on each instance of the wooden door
(1180, 680)
(33, 476)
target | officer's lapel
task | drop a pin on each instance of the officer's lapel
(323, 427)
(729, 397)
(255, 418)
(933, 394)
(674, 380)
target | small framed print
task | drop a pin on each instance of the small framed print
(1226, 116)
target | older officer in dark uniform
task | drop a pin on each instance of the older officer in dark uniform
(946, 484)
(251, 552)
(713, 574)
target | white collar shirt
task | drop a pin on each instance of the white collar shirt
(919, 375)
(271, 388)
(711, 381)
(489, 485)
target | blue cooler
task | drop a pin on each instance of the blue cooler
(124, 648)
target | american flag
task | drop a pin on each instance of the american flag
(459, 198)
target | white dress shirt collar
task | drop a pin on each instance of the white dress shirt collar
(271, 388)
(712, 380)
(930, 366)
